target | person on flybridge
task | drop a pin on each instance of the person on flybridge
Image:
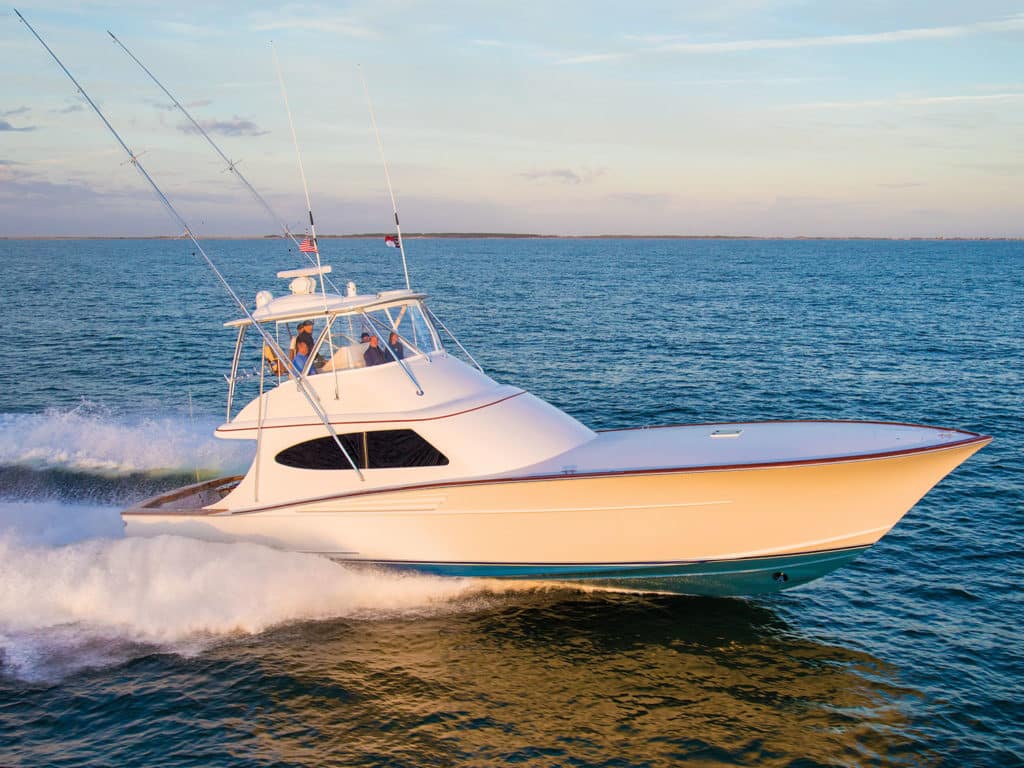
(395, 342)
(305, 328)
(303, 345)
(374, 355)
(276, 366)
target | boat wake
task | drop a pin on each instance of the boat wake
(91, 439)
(75, 594)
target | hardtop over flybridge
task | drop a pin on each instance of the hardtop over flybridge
(376, 444)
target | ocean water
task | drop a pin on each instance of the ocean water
(181, 653)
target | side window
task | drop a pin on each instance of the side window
(385, 449)
(323, 453)
(401, 448)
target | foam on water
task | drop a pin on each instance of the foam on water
(55, 524)
(74, 593)
(90, 438)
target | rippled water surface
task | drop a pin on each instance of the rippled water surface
(167, 651)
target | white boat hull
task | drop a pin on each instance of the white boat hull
(697, 530)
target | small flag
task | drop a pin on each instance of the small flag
(390, 241)
(308, 245)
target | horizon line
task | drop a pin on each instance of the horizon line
(521, 236)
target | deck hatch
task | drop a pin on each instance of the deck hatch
(718, 433)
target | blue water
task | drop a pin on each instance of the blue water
(172, 652)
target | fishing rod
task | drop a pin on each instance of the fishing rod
(387, 175)
(300, 380)
(298, 154)
(231, 165)
(309, 205)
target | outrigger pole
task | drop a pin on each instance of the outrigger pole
(298, 155)
(309, 208)
(232, 166)
(300, 380)
(387, 175)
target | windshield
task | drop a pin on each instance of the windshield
(375, 337)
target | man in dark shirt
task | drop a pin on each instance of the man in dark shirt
(374, 355)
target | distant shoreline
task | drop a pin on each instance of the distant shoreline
(511, 236)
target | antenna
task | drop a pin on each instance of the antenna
(387, 175)
(232, 166)
(300, 382)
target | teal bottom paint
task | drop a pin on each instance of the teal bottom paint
(718, 578)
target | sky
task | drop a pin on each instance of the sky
(862, 118)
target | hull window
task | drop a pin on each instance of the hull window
(384, 449)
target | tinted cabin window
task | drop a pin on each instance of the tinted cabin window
(401, 448)
(323, 453)
(389, 448)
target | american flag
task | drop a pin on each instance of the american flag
(308, 245)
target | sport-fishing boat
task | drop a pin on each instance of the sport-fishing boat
(376, 444)
(426, 463)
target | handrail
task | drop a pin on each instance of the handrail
(434, 318)
(234, 369)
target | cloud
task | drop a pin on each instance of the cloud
(236, 127)
(997, 169)
(122, 205)
(752, 81)
(13, 112)
(184, 29)
(591, 58)
(676, 44)
(5, 126)
(645, 199)
(169, 107)
(524, 48)
(912, 101)
(69, 109)
(812, 202)
(305, 19)
(900, 184)
(488, 43)
(562, 175)
(22, 188)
